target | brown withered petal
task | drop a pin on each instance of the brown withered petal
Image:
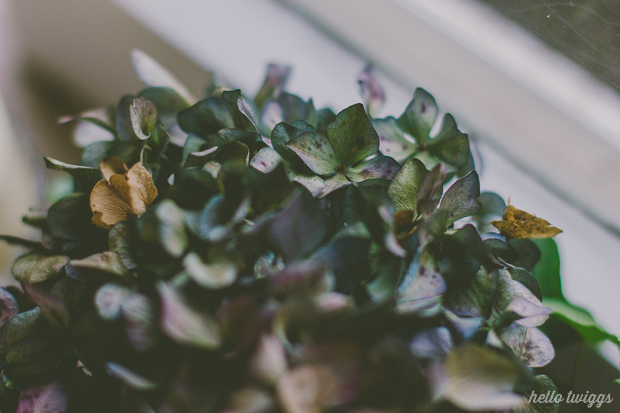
(520, 224)
(108, 208)
(113, 200)
(142, 189)
(112, 165)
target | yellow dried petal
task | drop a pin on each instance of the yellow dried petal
(142, 190)
(108, 208)
(520, 224)
(112, 165)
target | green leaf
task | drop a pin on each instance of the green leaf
(216, 274)
(282, 134)
(153, 74)
(352, 136)
(460, 199)
(316, 150)
(185, 325)
(35, 267)
(379, 167)
(450, 145)
(581, 320)
(419, 116)
(96, 152)
(404, 188)
(108, 261)
(206, 117)
(143, 114)
(478, 378)
(544, 386)
(529, 345)
(84, 177)
(22, 242)
(547, 270)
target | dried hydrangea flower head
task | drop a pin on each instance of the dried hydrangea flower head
(122, 193)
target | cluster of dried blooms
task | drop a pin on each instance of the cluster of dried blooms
(301, 261)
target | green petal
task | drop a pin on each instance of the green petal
(392, 141)
(450, 145)
(460, 199)
(529, 345)
(419, 116)
(316, 150)
(266, 160)
(380, 167)
(405, 186)
(284, 133)
(143, 115)
(312, 183)
(334, 182)
(352, 136)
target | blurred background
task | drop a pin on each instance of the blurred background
(535, 84)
